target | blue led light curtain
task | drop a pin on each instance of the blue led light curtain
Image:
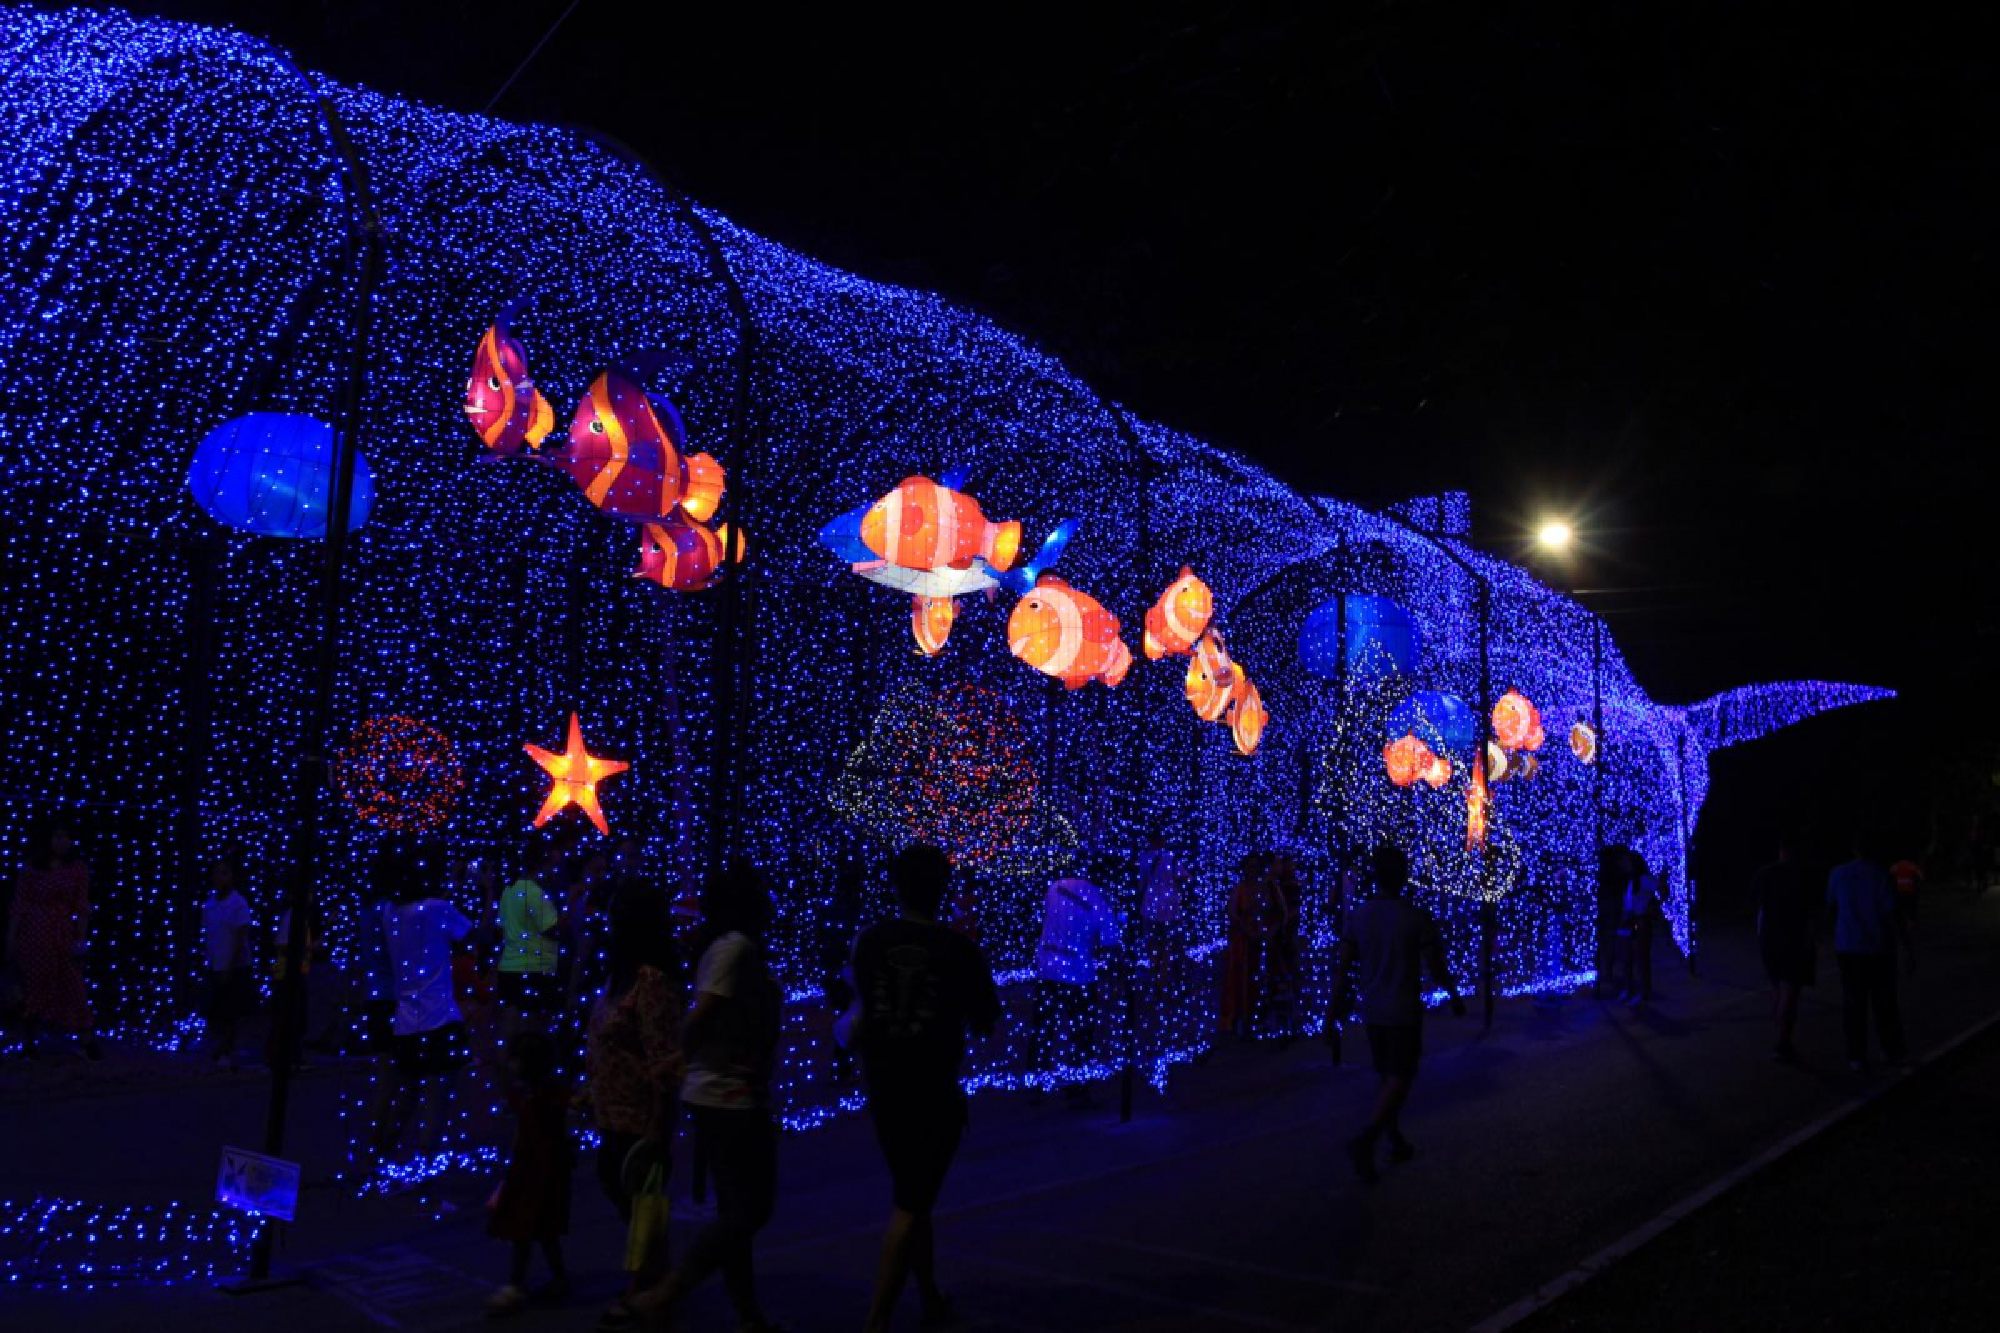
(175, 257)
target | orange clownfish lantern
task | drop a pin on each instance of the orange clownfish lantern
(1247, 716)
(923, 524)
(1516, 722)
(1211, 678)
(930, 622)
(1437, 769)
(1583, 742)
(1179, 619)
(1067, 634)
(1406, 760)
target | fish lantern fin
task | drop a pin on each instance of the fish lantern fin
(1003, 544)
(956, 476)
(707, 482)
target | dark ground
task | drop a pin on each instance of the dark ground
(1884, 1221)
(1226, 1204)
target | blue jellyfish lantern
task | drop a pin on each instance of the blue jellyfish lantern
(1382, 639)
(271, 474)
(1442, 721)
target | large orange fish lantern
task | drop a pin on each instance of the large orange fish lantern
(501, 402)
(1067, 634)
(1211, 678)
(685, 556)
(1247, 717)
(1516, 722)
(925, 525)
(1406, 760)
(625, 451)
(1179, 619)
(930, 622)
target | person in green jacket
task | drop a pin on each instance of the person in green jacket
(528, 955)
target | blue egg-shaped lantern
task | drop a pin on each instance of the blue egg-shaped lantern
(1442, 721)
(1382, 639)
(271, 474)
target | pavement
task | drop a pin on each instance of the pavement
(1226, 1204)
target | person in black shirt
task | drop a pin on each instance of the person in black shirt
(920, 988)
(1786, 902)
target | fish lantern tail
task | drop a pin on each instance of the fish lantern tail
(1003, 544)
(705, 485)
(1121, 662)
(541, 420)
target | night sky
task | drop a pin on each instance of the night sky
(1714, 280)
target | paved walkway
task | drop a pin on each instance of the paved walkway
(1225, 1205)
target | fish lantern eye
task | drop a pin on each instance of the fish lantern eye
(597, 426)
(493, 383)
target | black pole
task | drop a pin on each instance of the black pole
(1489, 915)
(364, 233)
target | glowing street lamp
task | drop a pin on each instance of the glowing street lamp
(1554, 535)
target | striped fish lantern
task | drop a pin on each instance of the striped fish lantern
(1067, 634)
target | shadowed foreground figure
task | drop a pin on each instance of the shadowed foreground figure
(1390, 939)
(920, 989)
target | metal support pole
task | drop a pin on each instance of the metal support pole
(1489, 915)
(365, 233)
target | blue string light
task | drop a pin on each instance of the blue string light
(175, 233)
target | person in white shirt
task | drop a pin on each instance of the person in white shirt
(1078, 925)
(225, 939)
(427, 1042)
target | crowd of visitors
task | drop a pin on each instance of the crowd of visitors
(587, 995)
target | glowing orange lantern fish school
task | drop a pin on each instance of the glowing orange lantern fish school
(923, 524)
(575, 773)
(501, 401)
(1179, 619)
(1067, 634)
(930, 622)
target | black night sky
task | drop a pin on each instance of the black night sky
(1714, 279)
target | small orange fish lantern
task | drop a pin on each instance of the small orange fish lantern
(1211, 678)
(684, 556)
(1515, 720)
(1405, 759)
(575, 773)
(1437, 769)
(1496, 762)
(1526, 766)
(1477, 802)
(501, 402)
(930, 622)
(1179, 619)
(1583, 742)
(1247, 717)
(1067, 634)
(925, 525)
